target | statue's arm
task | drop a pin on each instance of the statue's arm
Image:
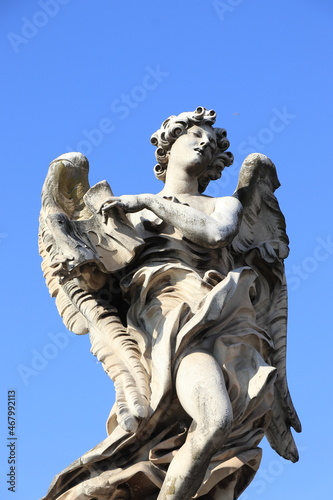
(213, 231)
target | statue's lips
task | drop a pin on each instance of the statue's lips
(199, 150)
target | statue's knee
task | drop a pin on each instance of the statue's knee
(218, 429)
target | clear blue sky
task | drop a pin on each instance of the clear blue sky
(100, 77)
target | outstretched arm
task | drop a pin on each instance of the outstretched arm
(213, 231)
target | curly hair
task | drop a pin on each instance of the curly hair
(175, 126)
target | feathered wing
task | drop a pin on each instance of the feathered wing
(74, 240)
(262, 243)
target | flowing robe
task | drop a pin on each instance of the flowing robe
(182, 298)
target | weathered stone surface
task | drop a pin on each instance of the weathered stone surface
(184, 299)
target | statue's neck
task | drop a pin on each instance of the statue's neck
(180, 183)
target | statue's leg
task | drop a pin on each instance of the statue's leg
(202, 393)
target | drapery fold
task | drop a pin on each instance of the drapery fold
(173, 311)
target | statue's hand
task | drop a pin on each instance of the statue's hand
(128, 203)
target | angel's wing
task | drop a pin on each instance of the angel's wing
(80, 251)
(262, 243)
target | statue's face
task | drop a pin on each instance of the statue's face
(195, 149)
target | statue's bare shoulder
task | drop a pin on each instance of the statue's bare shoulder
(227, 206)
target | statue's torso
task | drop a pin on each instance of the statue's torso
(164, 243)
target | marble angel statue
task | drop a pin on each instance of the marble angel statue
(184, 298)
